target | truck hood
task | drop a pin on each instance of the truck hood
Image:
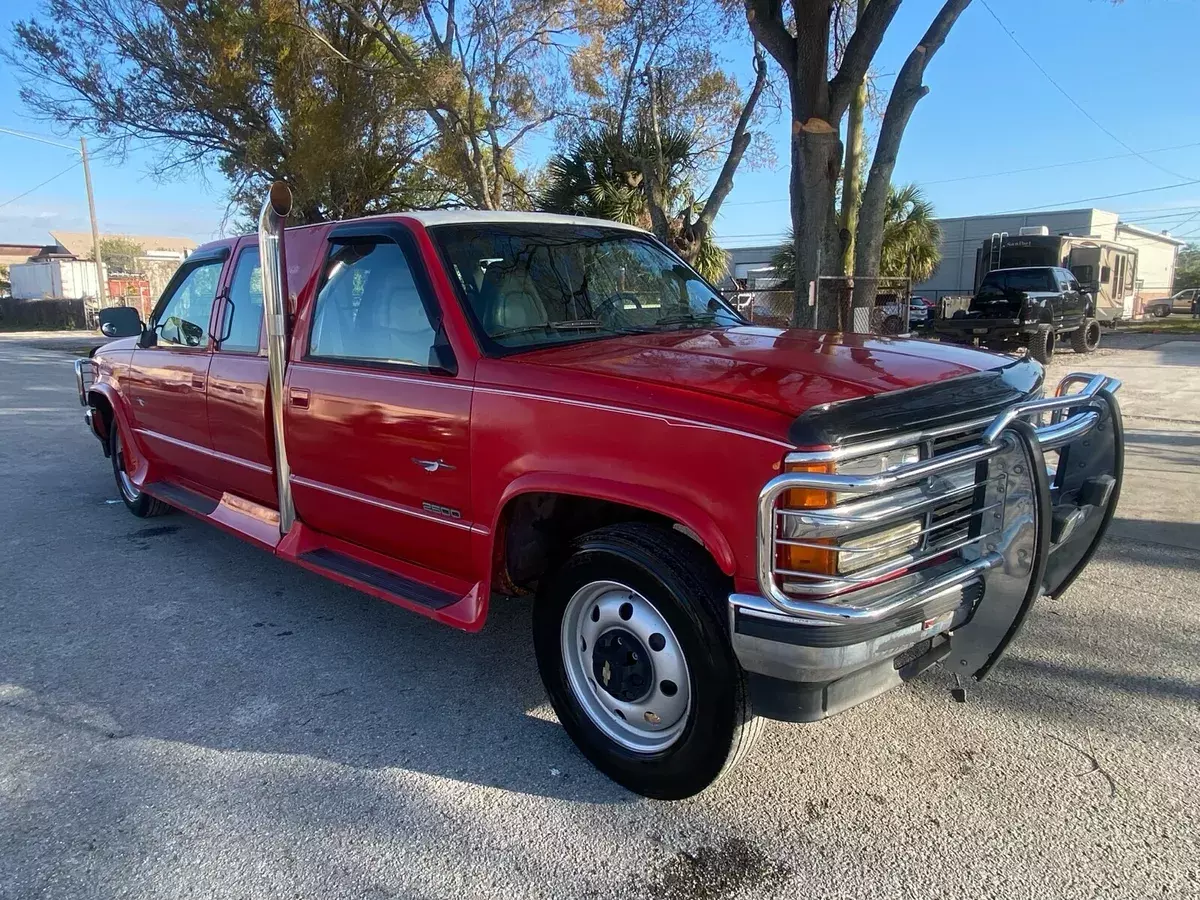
(785, 371)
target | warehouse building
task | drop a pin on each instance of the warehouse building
(962, 237)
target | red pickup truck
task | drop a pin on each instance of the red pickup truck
(718, 522)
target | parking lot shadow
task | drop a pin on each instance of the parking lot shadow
(216, 644)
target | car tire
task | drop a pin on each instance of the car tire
(136, 501)
(1041, 344)
(1161, 312)
(1086, 337)
(892, 325)
(660, 596)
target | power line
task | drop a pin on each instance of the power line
(1062, 165)
(42, 185)
(1051, 206)
(39, 138)
(1071, 99)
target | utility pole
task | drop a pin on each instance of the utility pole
(101, 287)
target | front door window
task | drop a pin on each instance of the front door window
(183, 320)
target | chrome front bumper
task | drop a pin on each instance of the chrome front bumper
(1029, 529)
(84, 375)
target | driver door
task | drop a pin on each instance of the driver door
(168, 380)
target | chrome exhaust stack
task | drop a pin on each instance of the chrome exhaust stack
(275, 210)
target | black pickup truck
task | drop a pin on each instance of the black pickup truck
(1032, 307)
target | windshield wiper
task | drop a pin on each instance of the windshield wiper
(571, 324)
(547, 327)
(687, 319)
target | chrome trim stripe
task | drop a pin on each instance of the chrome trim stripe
(674, 421)
(207, 451)
(384, 504)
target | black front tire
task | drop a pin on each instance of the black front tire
(683, 584)
(1086, 337)
(1161, 312)
(136, 501)
(1041, 344)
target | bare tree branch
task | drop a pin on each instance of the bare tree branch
(766, 23)
(860, 50)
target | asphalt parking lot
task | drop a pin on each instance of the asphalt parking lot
(182, 715)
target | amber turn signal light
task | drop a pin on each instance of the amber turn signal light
(807, 498)
(806, 559)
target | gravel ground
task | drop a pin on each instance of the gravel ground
(182, 715)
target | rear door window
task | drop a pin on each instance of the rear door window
(244, 308)
(369, 308)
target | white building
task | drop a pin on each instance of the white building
(962, 238)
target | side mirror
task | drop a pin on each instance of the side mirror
(120, 322)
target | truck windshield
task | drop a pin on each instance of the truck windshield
(1001, 282)
(535, 285)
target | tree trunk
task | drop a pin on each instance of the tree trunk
(852, 168)
(907, 92)
(816, 152)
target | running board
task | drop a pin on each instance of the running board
(358, 570)
(439, 596)
(245, 518)
(182, 498)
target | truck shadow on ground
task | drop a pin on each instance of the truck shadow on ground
(225, 647)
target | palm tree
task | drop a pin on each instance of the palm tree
(911, 239)
(601, 175)
(911, 236)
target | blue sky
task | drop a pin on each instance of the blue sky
(1133, 66)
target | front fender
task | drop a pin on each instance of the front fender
(102, 392)
(673, 507)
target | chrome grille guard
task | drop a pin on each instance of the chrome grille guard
(904, 492)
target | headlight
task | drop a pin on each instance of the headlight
(820, 556)
(869, 550)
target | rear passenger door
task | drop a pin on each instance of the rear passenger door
(238, 412)
(376, 418)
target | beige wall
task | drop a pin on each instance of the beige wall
(1156, 262)
(961, 237)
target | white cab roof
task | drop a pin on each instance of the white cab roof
(431, 217)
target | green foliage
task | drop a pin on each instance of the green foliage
(265, 89)
(1187, 267)
(911, 235)
(911, 239)
(602, 176)
(119, 253)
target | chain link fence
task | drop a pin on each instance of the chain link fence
(832, 299)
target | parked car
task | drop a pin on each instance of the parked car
(1033, 307)
(1180, 301)
(920, 311)
(717, 522)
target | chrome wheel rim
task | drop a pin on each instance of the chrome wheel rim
(124, 482)
(625, 667)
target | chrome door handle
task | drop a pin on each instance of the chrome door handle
(432, 465)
